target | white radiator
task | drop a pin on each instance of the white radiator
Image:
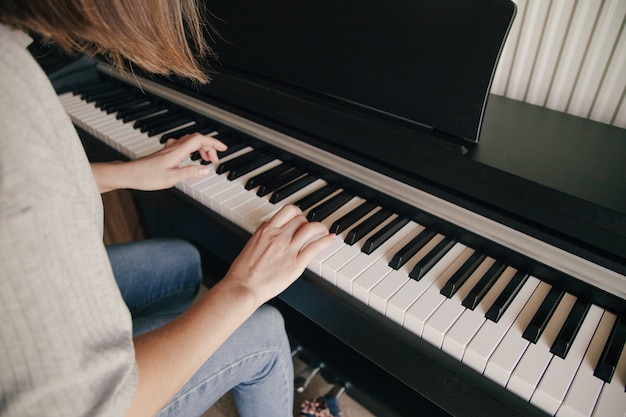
(567, 55)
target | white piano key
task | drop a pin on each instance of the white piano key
(240, 213)
(376, 271)
(220, 201)
(231, 205)
(503, 361)
(537, 357)
(490, 334)
(556, 380)
(362, 286)
(213, 182)
(344, 255)
(190, 184)
(381, 294)
(148, 148)
(316, 264)
(195, 189)
(227, 191)
(236, 187)
(441, 320)
(67, 99)
(108, 129)
(584, 391)
(469, 323)
(188, 188)
(612, 400)
(353, 269)
(390, 282)
(406, 297)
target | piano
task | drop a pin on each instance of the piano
(481, 264)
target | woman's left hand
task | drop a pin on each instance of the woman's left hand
(160, 169)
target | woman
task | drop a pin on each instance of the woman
(67, 334)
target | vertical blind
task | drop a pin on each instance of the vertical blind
(567, 55)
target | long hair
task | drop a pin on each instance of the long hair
(160, 36)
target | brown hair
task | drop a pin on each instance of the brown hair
(160, 36)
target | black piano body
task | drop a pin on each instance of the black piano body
(555, 181)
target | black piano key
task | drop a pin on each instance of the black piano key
(270, 185)
(267, 176)
(612, 351)
(198, 127)
(121, 101)
(169, 125)
(457, 280)
(427, 262)
(145, 123)
(232, 148)
(483, 286)
(380, 237)
(92, 96)
(289, 189)
(255, 163)
(229, 138)
(129, 104)
(328, 207)
(239, 161)
(227, 135)
(542, 316)
(121, 96)
(126, 114)
(570, 328)
(143, 111)
(506, 297)
(316, 196)
(92, 88)
(366, 226)
(352, 217)
(98, 98)
(411, 248)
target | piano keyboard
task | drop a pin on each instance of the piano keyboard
(559, 352)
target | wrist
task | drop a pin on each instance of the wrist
(109, 176)
(238, 292)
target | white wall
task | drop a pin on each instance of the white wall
(568, 55)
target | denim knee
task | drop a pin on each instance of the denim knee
(156, 274)
(271, 324)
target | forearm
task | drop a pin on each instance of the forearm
(112, 175)
(169, 356)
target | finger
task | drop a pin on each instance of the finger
(170, 142)
(209, 155)
(315, 246)
(307, 232)
(284, 215)
(190, 172)
(197, 142)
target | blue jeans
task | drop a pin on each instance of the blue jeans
(159, 279)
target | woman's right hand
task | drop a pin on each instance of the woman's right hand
(277, 253)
